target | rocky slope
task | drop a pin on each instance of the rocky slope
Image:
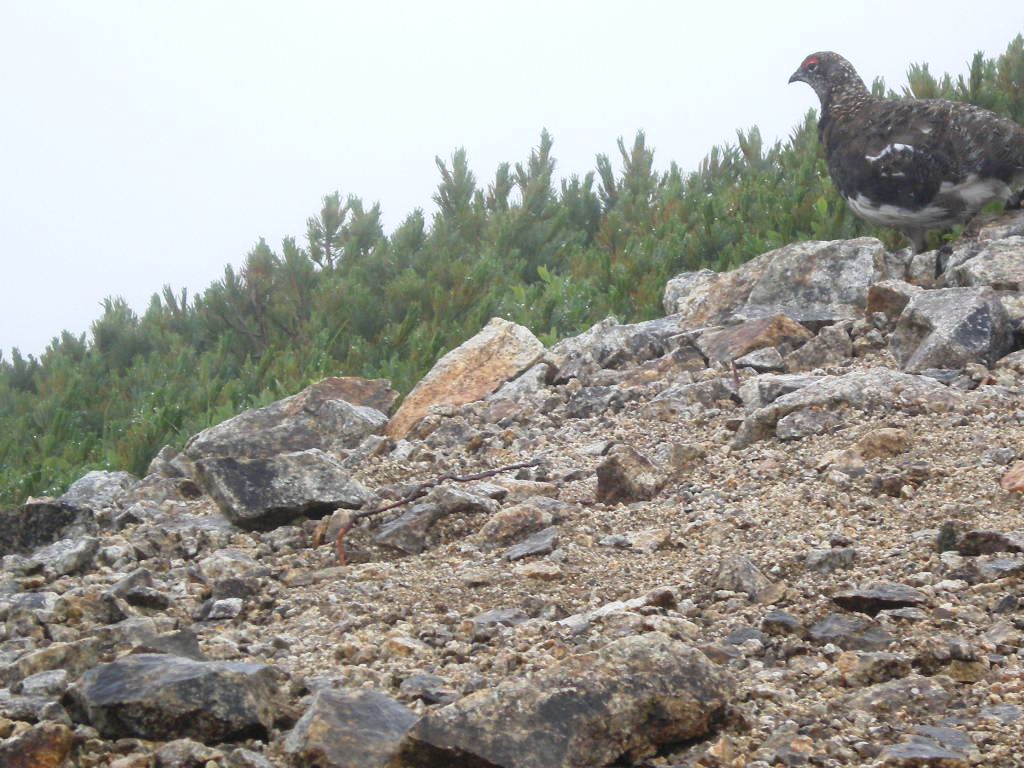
(779, 526)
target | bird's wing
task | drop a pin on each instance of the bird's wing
(895, 155)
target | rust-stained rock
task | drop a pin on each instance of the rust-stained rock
(726, 344)
(45, 745)
(349, 729)
(1013, 480)
(471, 371)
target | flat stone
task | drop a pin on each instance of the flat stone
(349, 729)
(541, 543)
(161, 697)
(621, 702)
(726, 344)
(922, 752)
(850, 633)
(878, 596)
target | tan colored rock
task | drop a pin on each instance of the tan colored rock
(542, 570)
(45, 745)
(470, 372)
(879, 443)
(1013, 480)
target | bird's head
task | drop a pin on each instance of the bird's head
(829, 74)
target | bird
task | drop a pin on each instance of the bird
(911, 164)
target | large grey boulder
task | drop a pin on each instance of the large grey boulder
(878, 389)
(349, 729)
(821, 282)
(951, 327)
(160, 697)
(99, 490)
(266, 492)
(619, 703)
(815, 283)
(998, 264)
(316, 417)
(611, 344)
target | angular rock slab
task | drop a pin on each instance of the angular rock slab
(879, 596)
(727, 344)
(316, 417)
(951, 327)
(471, 371)
(349, 729)
(627, 475)
(878, 389)
(623, 701)
(998, 264)
(263, 493)
(160, 697)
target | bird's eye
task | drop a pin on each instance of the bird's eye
(811, 66)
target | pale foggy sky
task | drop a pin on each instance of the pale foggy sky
(151, 143)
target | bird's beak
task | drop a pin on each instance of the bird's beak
(797, 77)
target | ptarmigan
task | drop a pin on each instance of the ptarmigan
(911, 164)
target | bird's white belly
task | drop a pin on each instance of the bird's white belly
(893, 216)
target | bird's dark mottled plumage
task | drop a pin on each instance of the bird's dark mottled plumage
(911, 164)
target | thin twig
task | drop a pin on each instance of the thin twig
(420, 491)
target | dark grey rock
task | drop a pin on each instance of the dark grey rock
(851, 633)
(161, 697)
(780, 623)
(349, 729)
(950, 328)
(621, 702)
(879, 596)
(913, 696)
(267, 492)
(541, 543)
(408, 532)
(38, 522)
(918, 751)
